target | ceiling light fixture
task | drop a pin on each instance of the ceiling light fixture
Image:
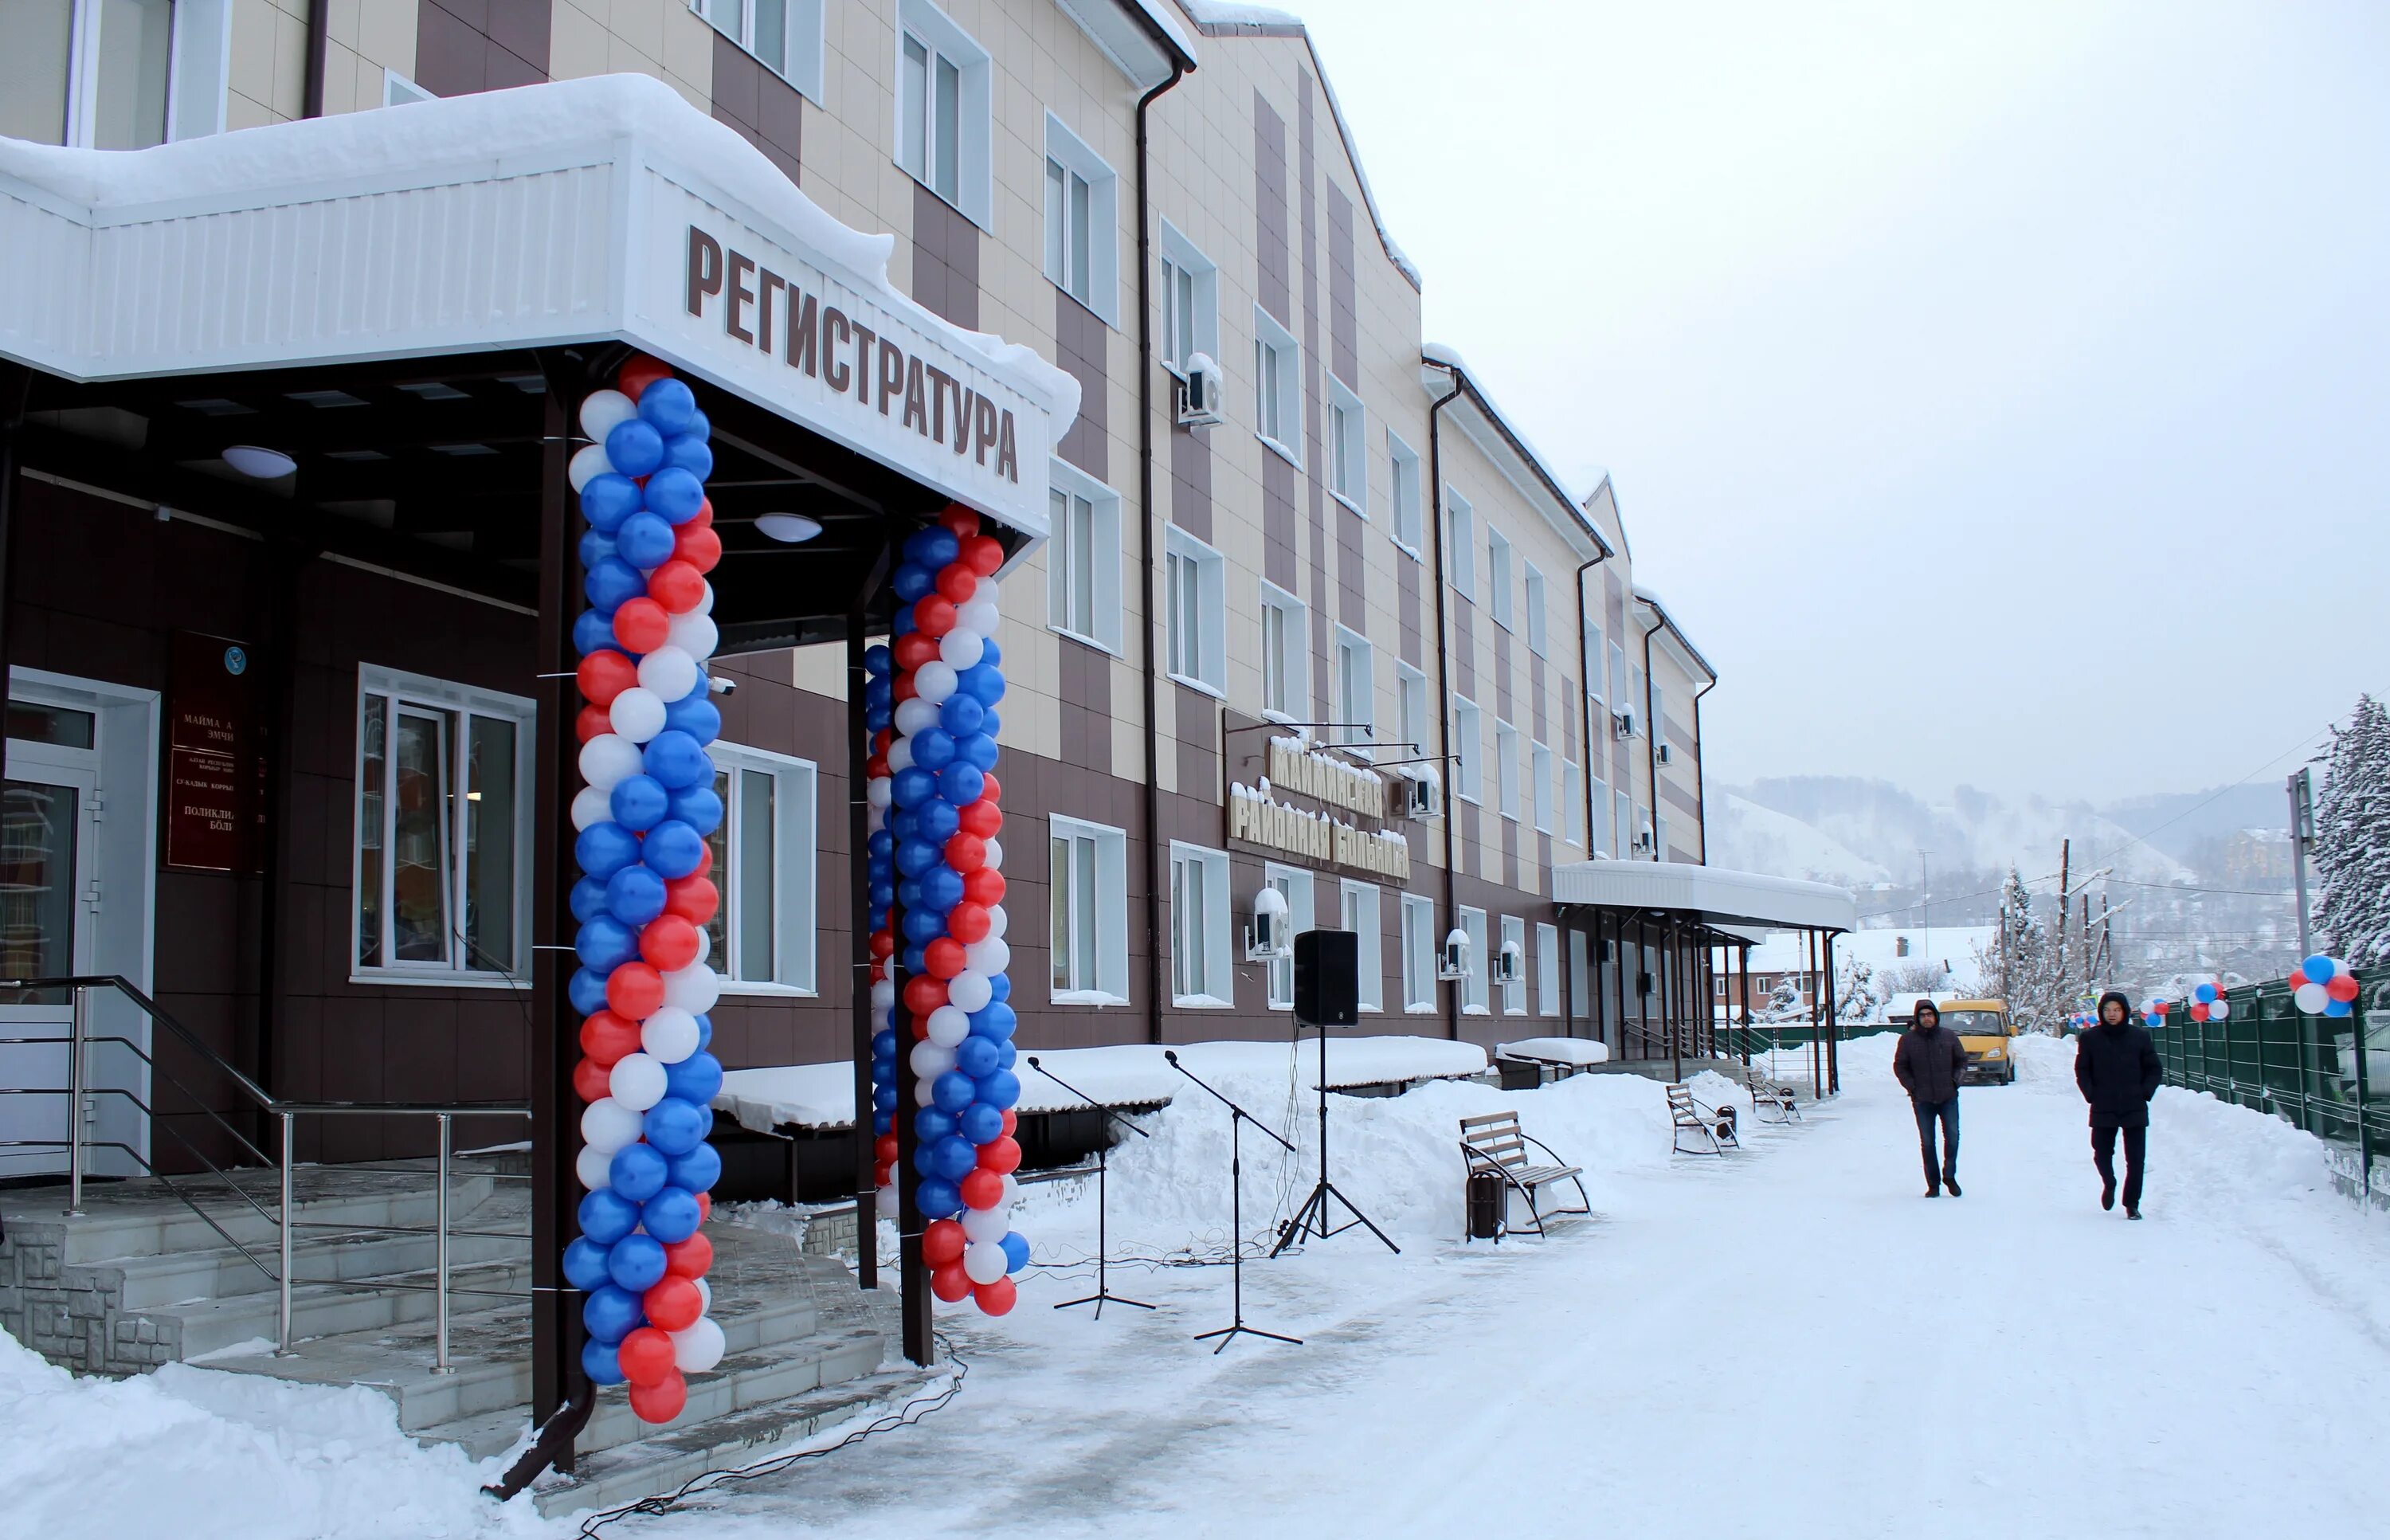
(259, 463)
(789, 529)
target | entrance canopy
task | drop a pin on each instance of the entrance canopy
(1713, 896)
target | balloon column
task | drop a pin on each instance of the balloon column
(645, 894)
(937, 910)
(2208, 1004)
(2324, 986)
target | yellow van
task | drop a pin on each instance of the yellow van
(1982, 1029)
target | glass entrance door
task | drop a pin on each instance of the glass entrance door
(49, 829)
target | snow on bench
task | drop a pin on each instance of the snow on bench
(1578, 1051)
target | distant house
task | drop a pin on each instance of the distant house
(1907, 961)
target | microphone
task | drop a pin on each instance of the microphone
(1033, 1061)
(1168, 1055)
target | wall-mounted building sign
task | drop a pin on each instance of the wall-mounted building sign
(215, 757)
(1295, 802)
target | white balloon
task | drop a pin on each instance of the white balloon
(669, 1035)
(699, 1345)
(591, 806)
(637, 1081)
(2311, 997)
(985, 1262)
(669, 672)
(1011, 1191)
(996, 854)
(2219, 1009)
(922, 1096)
(912, 716)
(693, 989)
(997, 920)
(706, 602)
(593, 1166)
(988, 957)
(607, 758)
(704, 1296)
(948, 1025)
(987, 1224)
(978, 616)
(878, 793)
(900, 754)
(932, 1059)
(884, 1203)
(607, 1124)
(960, 648)
(603, 411)
(637, 715)
(933, 681)
(965, 991)
(694, 633)
(990, 592)
(704, 946)
(588, 461)
(874, 820)
(883, 994)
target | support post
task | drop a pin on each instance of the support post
(282, 1270)
(866, 1209)
(439, 1364)
(16, 388)
(2301, 787)
(78, 1033)
(1833, 1024)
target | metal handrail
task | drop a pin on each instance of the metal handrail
(80, 1041)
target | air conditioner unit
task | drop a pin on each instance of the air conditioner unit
(1270, 937)
(1508, 965)
(1422, 798)
(1455, 963)
(1623, 724)
(1202, 394)
(1666, 754)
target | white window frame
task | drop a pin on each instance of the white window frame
(1092, 275)
(1068, 489)
(1348, 447)
(1358, 912)
(1547, 970)
(1298, 887)
(1658, 837)
(1356, 692)
(1599, 841)
(1506, 770)
(1475, 992)
(1622, 808)
(1420, 945)
(1540, 778)
(1410, 711)
(795, 867)
(1498, 579)
(401, 690)
(1105, 981)
(1538, 635)
(1514, 992)
(1461, 542)
(199, 55)
(1467, 751)
(1292, 665)
(800, 36)
(1595, 665)
(1572, 804)
(1403, 493)
(1216, 988)
(1197, 656)
(1277, 381)
(1193, 326)
(929, 28)
(1657, 700)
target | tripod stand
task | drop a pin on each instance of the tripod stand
(1237, 1117)
(1313, 1217)
(1103, 1206)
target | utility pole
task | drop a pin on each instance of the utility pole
(2091, 954)
(2302, 790)
(2065, 855)
(1925, 904)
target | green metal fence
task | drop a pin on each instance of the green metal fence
(2329, 1076)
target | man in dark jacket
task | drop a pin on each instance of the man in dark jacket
(1929, 1063)
(2116, 1067)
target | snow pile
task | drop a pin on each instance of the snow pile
(1555, 1050)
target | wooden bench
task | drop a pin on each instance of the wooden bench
(1711, 1127)
(1494, 1143)
(1772, 1096)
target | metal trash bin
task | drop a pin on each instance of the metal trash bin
(1485, 1206)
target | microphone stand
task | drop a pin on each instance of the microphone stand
(1313, 1217)
(1237, 1117)
(1103, 1148)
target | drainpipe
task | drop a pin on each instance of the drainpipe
(1652, 741)
(1444, 677)
(1155, 870)
(1584, 695)
(1701, 776)
(319, 30)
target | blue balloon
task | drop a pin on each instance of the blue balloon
(705, 1041)
(674, 849)
(936, 821)
(635, 895)
(587, 991)
(669, 405)
(603, 849)
(2204, 995)
(610, 583)
(980, 1123)
(984, 680)
(952, 1158)
(608, 499)
(611, 1313)
(975, 1057)
(637, 1263)
(961, 714)
(876, 720)
(638, 802)
(605, 944)
(607, 1217)
(585, 1264)
(910, 582)
(953, 1091)
(916, 960)
(695, 714)
(879, 692)
(1008, 1055)
(637, 1172)
(589, 900)
(994, 1020)
(880, 845)
(961, 784)
(924, 925)
(942, 889)
(645, 539)
(2339, 1008)
(634, 448)
(697, 1170)
(980, 750)
(596, 547)
(938, 1197)
(676, 760)
(689, 452)
(881, 1119)
(672, 1216)
(877, 661)
(999, 988)
(2320, 968)
(674, 493)
(933, 547)
(1000, 1090)
(913, 786)
(903, 624)
(883, 1043)
(884, 1099)
(706, 1115)
(1016, 1250)
(930, 1125)
(905, 824)
(916, 857)
(673, 1127)
(990, 656)
(994, 725)
(700, 425)
(602, 1362)
(698, 1078)
(592, 632)
(933, 749)
(698, 807)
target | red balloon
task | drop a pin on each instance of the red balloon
(982, 1189)
(877, 769)
(704, 1207)
(2198, 1010)
(639, 372)
(968, 922)
(694, 899)
(676, 585)
(883, 1149)
(2343, 986)
(1012, 1122)
(696, 545)
(984, 887)
(1000, 1155)
(663, 1401)
(950, 1283)
(589, 1081)
(668, 942)
(883, 944)
(982, 818)
(904, 690)
(991, 790)
(705, 861)
(634, 991)
(994, 1299)
(958, 583)
(943, 1242)
(690, 1258)
(913, 649)
(673, 1305)
(967, 852)
(703, 516)
(923, 993)
(591, 721)
(920, 1029)
(2298, 977)
(933, 615)
(882, 1173)
(606, 1035)
(881, 739)
(604, 675)
(646, 1355)
(943, 958)
(641, 624)
(959, 521)
(983, 554)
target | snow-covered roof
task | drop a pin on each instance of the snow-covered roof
(1955, 944)
(1126, 32)
(1651, 602)
(1441, 356)
(1709, 894)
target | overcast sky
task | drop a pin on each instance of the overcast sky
(1997, 395)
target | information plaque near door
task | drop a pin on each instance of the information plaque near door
(215, 756)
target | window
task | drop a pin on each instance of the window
(1087, 879)
(1498, 579)
(1356, 700)
(442, 830)
(1658, 714)
(1410, 711)
(1620, 701)
(1419, 944)
(113, 74)
(942, 108)
(1194, 577)
(1286, 655)
(1278, 386)
(1660, 840)
(1082, 221)
(1514, 989)
(1360, 917)
(1623, 835)
(1083, 559)
(1467, 762)
(785, 35)
(1547, 970)
(1599, 839)
(1539, 777)
(1295, 888)
(1593, 665)
(1506, 767)
(1474, 991)
(1191, 302)
(1201, 973)
(1348, 473)
(1403, 486)
(763, 865)
(1460, 543)
(1572, 804)
(1635, 702)
(1536, 633)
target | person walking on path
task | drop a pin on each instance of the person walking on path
(1929, 1063)
(2117, 1069)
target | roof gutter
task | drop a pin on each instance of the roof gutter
(1700, 774)
(1585, 697)
(319, 35)
(1651, 733)
(1444, 676)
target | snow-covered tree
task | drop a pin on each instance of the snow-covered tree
(2019, 967)
(2352, 849)
(1854, 989)
(1784, 1001)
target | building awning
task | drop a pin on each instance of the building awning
(1710, 894)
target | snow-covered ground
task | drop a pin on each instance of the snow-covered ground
(1789, 1341)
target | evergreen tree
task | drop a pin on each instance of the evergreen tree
(2019, 965)
(2352, 849)
(1854, 994)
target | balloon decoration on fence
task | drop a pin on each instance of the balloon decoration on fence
(2154, 1008)
(937, 910)
(2208, 1004)
(2324, 986)
(646, 894)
